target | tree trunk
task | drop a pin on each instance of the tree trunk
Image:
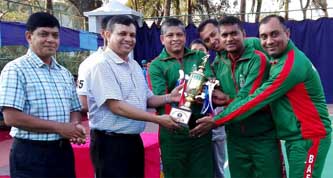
(242, 10)
(85, 5)
(136, 5)
(305, 8)
(322, 5)
(259, 3)
(206, 4)
(49, 6)
(177, 7)
(167, 6)
(286, 9)
(189, 11)
(253, 5)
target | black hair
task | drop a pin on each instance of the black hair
(119, 19)
(198, 41)
(105, 21)
(172, 22)
(231, 20)
(206, 22)
(269, 17)
(41, 19)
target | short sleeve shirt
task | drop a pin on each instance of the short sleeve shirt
(113, 78)
(46, 92)
(84, 70)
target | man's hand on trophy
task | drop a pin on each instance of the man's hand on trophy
(168, 122)
(204, 125)
(219, 98)
(176, 93)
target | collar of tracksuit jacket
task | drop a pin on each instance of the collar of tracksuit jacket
(164, 56)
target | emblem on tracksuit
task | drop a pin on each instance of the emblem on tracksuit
(241, 80)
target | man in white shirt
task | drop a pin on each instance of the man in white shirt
(85, 66)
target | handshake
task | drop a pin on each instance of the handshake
(74, 131)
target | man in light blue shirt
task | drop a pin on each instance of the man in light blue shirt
(39, 101)
(118, 97)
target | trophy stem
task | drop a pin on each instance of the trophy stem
(187, 104)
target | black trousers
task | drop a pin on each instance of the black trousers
(36, 159)
(116, 155)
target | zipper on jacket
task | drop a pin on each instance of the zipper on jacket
(233, 68)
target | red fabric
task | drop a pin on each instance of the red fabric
(4, 135)
(267, 92)
(182, 97)
(83, 164)
(148, 77)
(152, 155)
(260, 77)
(311, 158)
(84, 168)
(311, 124)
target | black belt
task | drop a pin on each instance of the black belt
(110, 133)
(57, 143)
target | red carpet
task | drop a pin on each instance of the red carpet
(4, 135)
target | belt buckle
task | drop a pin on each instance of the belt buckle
(110, 133)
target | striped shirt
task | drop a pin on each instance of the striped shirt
(39, 90)
(113, 78)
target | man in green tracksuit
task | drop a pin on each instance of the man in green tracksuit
(253, 149)
(295, 94)
(182, 155)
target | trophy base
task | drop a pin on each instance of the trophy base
(181, 115)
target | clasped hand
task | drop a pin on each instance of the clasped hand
(74, 131)
(204, 125)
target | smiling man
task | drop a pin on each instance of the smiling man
(182, 156)
(295, 94)
(39, 101)
(253, 148)
(118, 97)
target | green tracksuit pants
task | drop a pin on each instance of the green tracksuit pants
(255, 157)
(183, 156)
(306, 158)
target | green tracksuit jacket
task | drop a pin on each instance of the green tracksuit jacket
(298, 105)
(253, 149)
(242, 78)
(182, 156)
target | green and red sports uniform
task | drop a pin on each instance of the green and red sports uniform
(182, 155)
(295, 95)
(253, 148)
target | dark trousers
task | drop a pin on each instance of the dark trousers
(37, 159)
(116, 155)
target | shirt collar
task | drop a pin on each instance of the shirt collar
(165, 55)
(114, 57)
(39, 62)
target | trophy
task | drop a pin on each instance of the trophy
(192, 89)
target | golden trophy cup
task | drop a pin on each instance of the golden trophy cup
(193, 88)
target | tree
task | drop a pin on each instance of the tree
(258, 9)
(86, 5)
(176, 4)
(322, 4)
(49, 6)
(304, 8)
(189, 12)
(166, 8)
(286, 9)
(242, 10)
